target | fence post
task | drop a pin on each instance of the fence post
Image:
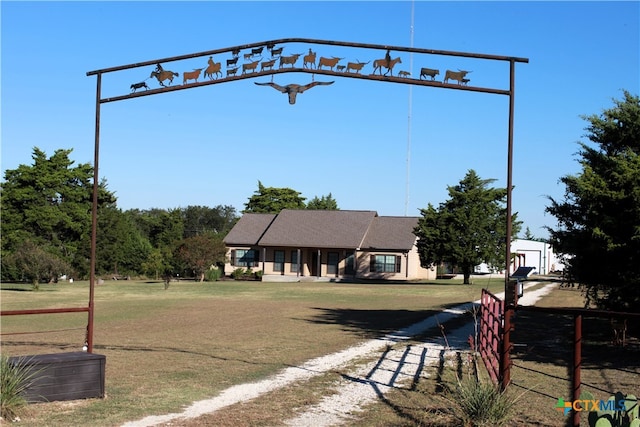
(510, 304)
(577, 362)
(505, 360)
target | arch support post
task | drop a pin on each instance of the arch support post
(94, 220)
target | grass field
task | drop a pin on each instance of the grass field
(168, 348)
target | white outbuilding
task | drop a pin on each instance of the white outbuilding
(531, 253)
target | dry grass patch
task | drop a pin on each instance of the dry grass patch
(168, 348)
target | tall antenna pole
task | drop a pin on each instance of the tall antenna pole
(406, 199)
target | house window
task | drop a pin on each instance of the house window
(278, 261)
(332, 263)
(349, 267)
(294, 261)
(385, 264)
(245, 258)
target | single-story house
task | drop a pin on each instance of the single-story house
(327, 245)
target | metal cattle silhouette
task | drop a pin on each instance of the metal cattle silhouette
(429, 72)
(140, 85)
(356, 66)
(191, 75)
(293, 89)
(459, 76)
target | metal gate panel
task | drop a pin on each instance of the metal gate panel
(490, 333)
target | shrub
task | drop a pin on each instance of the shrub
(237, 273)
(248, 274)
(15, 378)
(480, 403)
(212, 275)
(36, 264)
(476, 400)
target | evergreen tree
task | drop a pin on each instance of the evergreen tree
(273, 200)
(165, 230)
(528, 235)
(203, 219)
(49, 204)
(466, 230)
(121, 248)
(327, 203)
(598, 220)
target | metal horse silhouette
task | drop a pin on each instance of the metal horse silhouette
(293, 89)
(214, 68)
(387, 63)
(163, 75)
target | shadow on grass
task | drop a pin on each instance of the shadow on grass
(391, 371)
(28, 288)
(375, 323)
(370, 323)
(129, 348)
(547, 338)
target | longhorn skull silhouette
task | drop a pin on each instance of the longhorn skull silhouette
(293, 89)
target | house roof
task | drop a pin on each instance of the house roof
(391, 232)
(249, 229)
(324, 229)
(318, 228)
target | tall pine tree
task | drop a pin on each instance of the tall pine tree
(598, 219)
(466, 230)
(273, 200)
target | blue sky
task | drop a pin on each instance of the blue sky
(377, 146)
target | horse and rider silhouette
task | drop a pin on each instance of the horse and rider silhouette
(161, 74)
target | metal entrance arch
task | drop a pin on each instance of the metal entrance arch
(251, 52)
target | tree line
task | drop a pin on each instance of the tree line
(46, 226)
(46, 220)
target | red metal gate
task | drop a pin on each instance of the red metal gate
(490, 333)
